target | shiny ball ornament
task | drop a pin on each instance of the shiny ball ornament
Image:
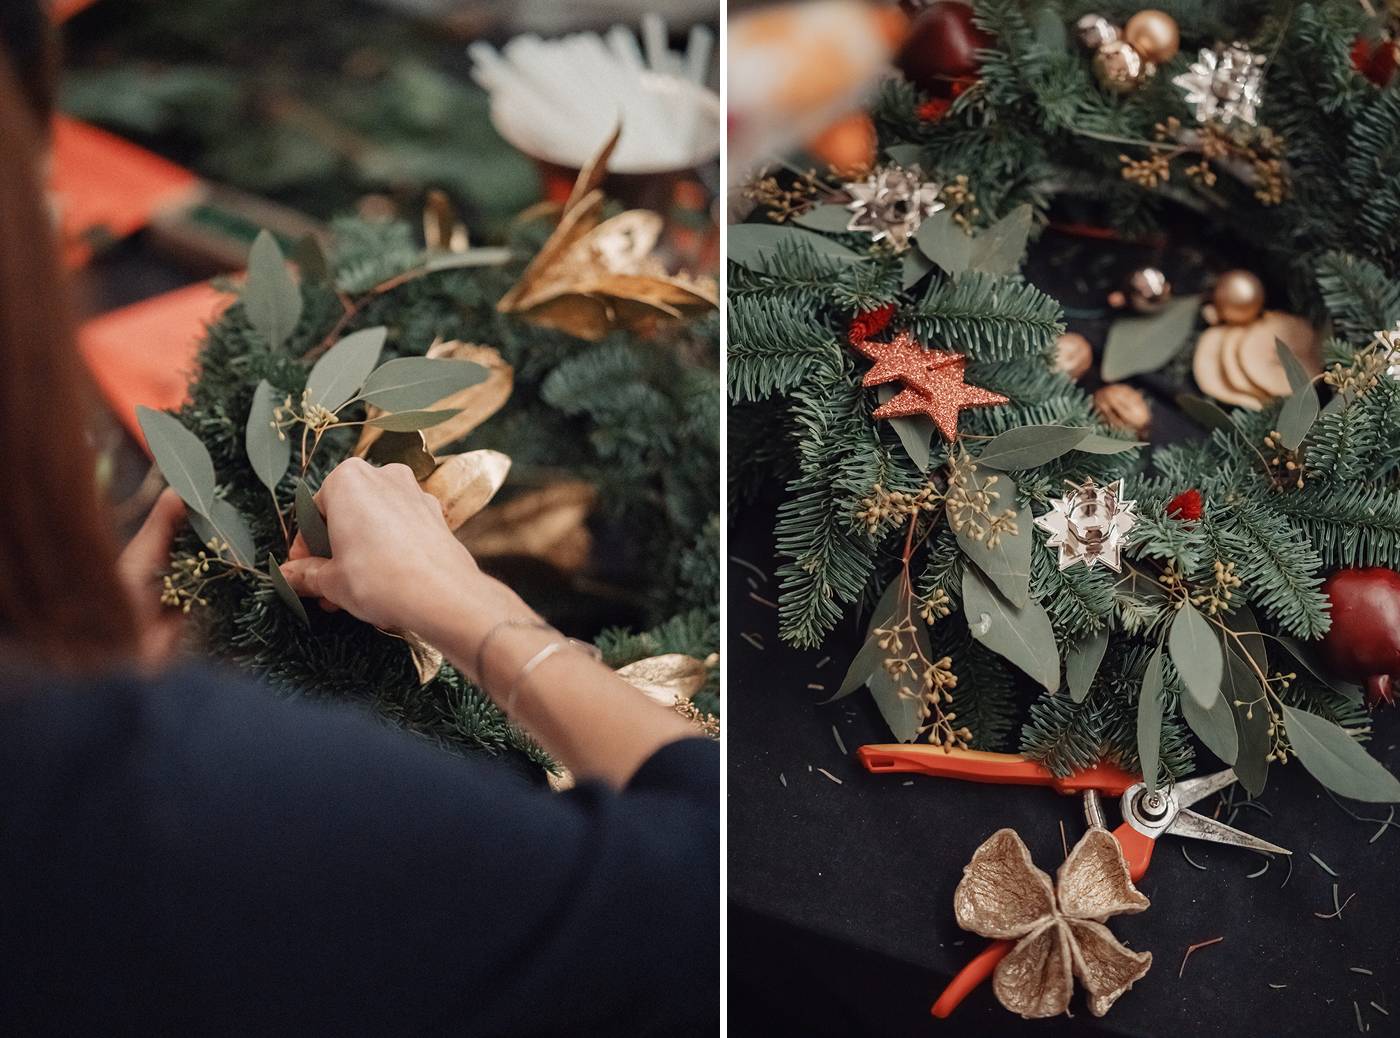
(1154, 35)
(1121, 406)
(942, 46)
(1119, 67)
(1149, 291)
(1363, 643)
(1094, 30)
(1238, 297)
(1073, 355)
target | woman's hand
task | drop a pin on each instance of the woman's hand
(396, 564)
(140, 566)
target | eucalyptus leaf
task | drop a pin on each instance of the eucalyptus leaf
(1138, 344)
(285, 592)
(1096, 443)
(403, 448)
(1313, 663)
(1049, 28)
(1245, 625)
(825, 218)
(1082, 663)
(944, 242)
(411, 421)
(310, 259)
(913, 266)
(1030, 446)
(182, 459)
(226, 525)
(1336, 759)
(1196, 654)
(1149, 719)
(310, 523)
(472, 258)
(752, 245)
(410, 383)
(271, 298)
(1000, 248)
(1204, 413)
(900, 711)
(1008, 565)
(871, 656)
(269, 450)
(1299, 411)
(914, 431)
(905, 154)
(342, 370)
(1021, 635)
(1244, 694)
(1214, 725)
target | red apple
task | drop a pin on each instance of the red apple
(1364, 641)
(942, 47)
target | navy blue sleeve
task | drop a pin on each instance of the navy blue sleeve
(201, 855)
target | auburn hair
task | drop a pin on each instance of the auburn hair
(62, 602)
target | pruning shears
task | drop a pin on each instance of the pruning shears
(1147, 815)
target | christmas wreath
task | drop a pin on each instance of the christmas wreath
(947, 470)
(396, 353)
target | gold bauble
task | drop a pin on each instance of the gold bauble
(1149, 291)
(1073, 354)
(1094, 30)
(1154, 35)
(1119, 67)
(1239, 297)
(1123, 407)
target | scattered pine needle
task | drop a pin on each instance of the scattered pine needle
(1192, 948)
(783, 779)
(1380, 1009)
(908, 782)
(1323, 865)
(1384, 825)
(1290, 873)
(1338, 909)
(763, 601)
(1064, 842)
(837, 736)
(823, 662)
(831, 776)
(816, 686)
(1278, 987)
(1194, 863)
(753, 584)
(1362, 970)
(750, 567)
(752, 639)
(1263, 869)
(1360, 1024)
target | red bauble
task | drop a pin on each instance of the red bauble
(1186, 505)
(1364, 641)
(942, 47)
(1376, 59)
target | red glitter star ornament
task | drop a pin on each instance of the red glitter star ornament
(933, 382)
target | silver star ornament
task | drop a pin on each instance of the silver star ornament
(1089, 525)
(1225, 85)
(891, 203)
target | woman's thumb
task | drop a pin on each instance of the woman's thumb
(306, 576)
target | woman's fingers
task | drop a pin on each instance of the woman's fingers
(298, 550)
(149, 550)
(306, 576)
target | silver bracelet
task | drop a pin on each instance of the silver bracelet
(477, 673)
(538, 658)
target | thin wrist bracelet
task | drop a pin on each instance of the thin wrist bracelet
(538, 658)
(539, 625)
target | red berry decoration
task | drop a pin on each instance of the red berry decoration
(1376, 59)
(1186, 505)
(1364, 641)
(942, 47)
(870, 323)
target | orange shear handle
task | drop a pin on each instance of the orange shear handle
(1137, 851)
(992, 768)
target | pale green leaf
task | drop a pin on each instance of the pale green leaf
(1204, 413)
(1299, 411)
(1008, 565)
(1214, 726)
(1307, 655)
(1138, 344)
(1082, 663)
(752, 245)
(907, 155)
(271, 298)
(912, 266)
(1095, 443)
(944, 242)
(285, 592)
(310, 522)
(182, 459)
(1149, 719)
(825, 218)
(1000, 248)
(268, 448)
(1245, 696)
(1196, 653)
(412, 421)
(1336, 759)
(870, 656)
(224, 525)
(410, 383)
(342, 370)
(1030, 446)
(914, 431)
(1021, 635)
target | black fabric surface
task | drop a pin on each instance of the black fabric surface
(193, 856)
(841, 896)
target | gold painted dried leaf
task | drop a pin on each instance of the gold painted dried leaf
(443, 230)
(548, 524)
(426, 659)
(465, 483)
(666, 678)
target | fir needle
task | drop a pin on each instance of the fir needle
(1263, 869)
(1362, 970)
(1384, 826)
(837, 736)
(1323, 865)
(1380, 1009)
(1063, 841)
(1192, 948)
(749, 566)
(752, 640)
(1278, 987)
(763, 601)
(783, 779)
(1188, 857)
(831, 776)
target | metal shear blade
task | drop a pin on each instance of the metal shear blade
(1156, 813)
